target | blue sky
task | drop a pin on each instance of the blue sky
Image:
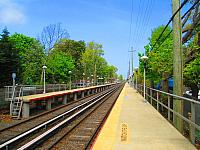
(103, 21)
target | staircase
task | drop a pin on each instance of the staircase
(16, 104)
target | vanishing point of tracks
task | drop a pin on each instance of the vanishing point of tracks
(73, 126)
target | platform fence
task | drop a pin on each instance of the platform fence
(163, 102)
(33, 89)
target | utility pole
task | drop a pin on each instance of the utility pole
(132, 66)
(128, 69)
(177, 64)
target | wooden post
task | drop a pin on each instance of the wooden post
(177, 64)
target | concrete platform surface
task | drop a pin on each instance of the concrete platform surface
(58, 93)
(135, 125)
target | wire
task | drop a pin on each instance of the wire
(141, 20)
(192, 7)
(137, 20)
(146, 18)
(130, 29)
(185, 1)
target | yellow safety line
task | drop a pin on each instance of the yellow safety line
(110, 127)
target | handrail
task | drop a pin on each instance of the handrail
(173, 95)
(193, 126)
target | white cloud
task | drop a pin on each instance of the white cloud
(11, 13)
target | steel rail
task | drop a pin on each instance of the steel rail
(60, 125)
(101, 124)
(45, 124)
(54, 109)
(45, 113)
(82, 120)
(37, 118)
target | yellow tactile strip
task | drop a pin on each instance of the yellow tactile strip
(110, 127)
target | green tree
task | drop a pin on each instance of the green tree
(192, 65)
(31, 59)
(95, 65)
(121, 78)
(92, 58)
(75, 49)
(111, 73)
(8, 59)
(58, 66)
(159, 64)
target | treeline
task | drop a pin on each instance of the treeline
(159, 66)
(26, 56)
(160, 53)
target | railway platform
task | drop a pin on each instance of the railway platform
(135, 125)
(65, 96)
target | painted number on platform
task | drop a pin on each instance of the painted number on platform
(124, 132)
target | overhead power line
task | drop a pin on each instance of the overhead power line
(192, 7)
(185, 1)
(145, 20)
(130, 29)
(137, 22)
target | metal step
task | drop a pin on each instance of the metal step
(14, 116)
(16, 104)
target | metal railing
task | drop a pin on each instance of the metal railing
(33, 89)
(163, 100)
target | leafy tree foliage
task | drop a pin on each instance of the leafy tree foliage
(95, 65)
(25, 56)
(75, 49)
(120, 77)
(58, 66)
(92, 59)
(192, 64)
(159, 64)
(192, 71)
(31, 59)
(8, 59)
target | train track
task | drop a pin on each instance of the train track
(30, 129)
(85, 129)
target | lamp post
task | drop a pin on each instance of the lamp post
(13, 92)
(144, 59)
(92, 79)
(132, 79)
(136, 70)
(100, 80)
(44, 68)
(83, 79)
(70, 80)
(97, 78)
(88, 81)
